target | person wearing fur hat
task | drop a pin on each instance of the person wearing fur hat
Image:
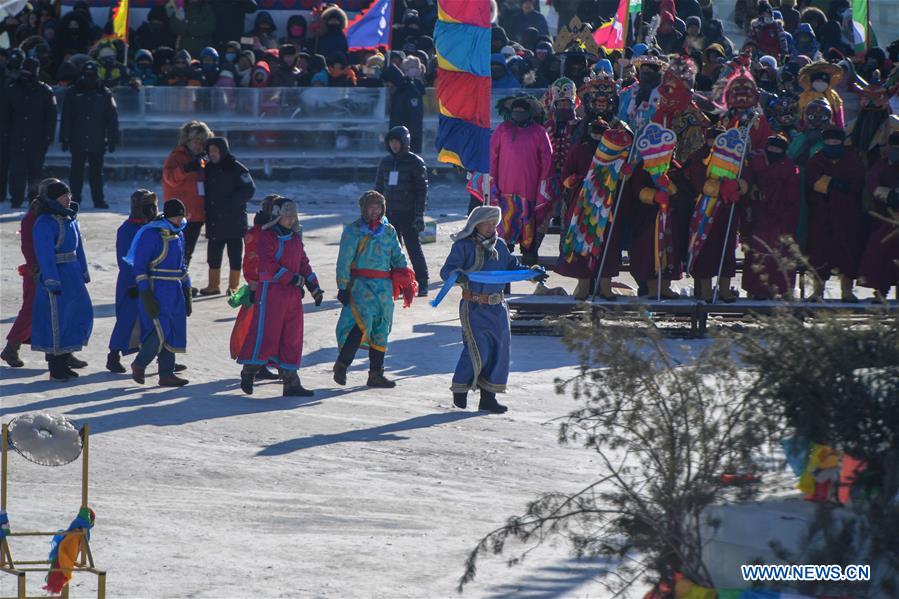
(370, 254)
(486, 337)
(156, 256)
(89, 127)
(183, 179)
(275, 332)
(125, 338)
(229, 186)
(331, 38)
(835, 177)
(63, 316)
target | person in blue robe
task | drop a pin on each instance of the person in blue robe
(157, 257)
(63, 316)
(125, 338)
(486, 336)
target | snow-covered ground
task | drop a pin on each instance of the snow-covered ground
(204, 492)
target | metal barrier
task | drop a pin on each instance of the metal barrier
(291, 127)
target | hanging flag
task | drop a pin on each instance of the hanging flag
(860, 25)
(462, 39)
(120, 20)
(612, 34)
(371, 28)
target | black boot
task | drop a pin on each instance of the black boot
(460, 400)
(265, 374)
(376, 376)
(247, 376)
(73, 362)
(488, 403)
(292, 385)
(58, 369)
(114, 363)
(340, 373)
(10, 355)
(179, 367)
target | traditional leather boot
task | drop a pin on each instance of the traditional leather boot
(137, 373)
(10, 355)
(74, 362)
(846, 294)
(340, 372)
(265, 374)
(247, 376)
(724, 291)
(605, 289)
(172, 381)
(460, 400)
(376, 376)
(58, 370)
(488, 403)
(667, 291)
(292, 385)
(114, 363)
(705, 290)
(233, 281)
(215, 282)
(582, 290)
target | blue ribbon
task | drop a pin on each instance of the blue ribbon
(496, 277)
(161, 223)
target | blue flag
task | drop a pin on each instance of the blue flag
(371, 28)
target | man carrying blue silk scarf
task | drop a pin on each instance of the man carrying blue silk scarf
(481, 264)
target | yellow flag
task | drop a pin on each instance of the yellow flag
(120, 20)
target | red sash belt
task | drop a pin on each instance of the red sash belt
(369, 273)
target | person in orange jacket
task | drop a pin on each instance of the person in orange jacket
(183, 179)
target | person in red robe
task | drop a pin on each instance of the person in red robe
(770, 217)
(836, 179)
(276, 333)
(879, 267)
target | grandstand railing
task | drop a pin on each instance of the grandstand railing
(292, 127)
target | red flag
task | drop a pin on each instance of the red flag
(612, 34)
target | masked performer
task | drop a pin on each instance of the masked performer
(880, 262)
(818, 80)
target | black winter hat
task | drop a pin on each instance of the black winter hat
(221, 143)
(56, 190)
(173, 208)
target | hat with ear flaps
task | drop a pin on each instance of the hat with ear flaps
(477, 216)
(282, 206)
(372, 197)
(140, 199)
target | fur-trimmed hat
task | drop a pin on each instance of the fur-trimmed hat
(194, 130)
(479, 215)
(139, 199)
(372, 197)
(282, 206)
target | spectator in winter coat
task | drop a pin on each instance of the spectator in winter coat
(502, 78)
(688, 8)
(286, 72)
(805, 43)
(408, 31)
(182, 74)
(230, 55)
(229, 187)
(670, 36)
(339, 72)
(73, 37)
(28, 126)
(694, 43)
(209, 63)
(183, 179)
(194, 24)
(229, 19)
(296, 32)
(89, 127)
(142, 68)
(262, 75)
(521, 20)
(163, 62)
(154, 32)
(370, 73)
(263, 32)
(96, 32)
(333, 39)
(406, 106)
(226, 79)
(403, 179)
(714, 34)
(317, 67)
(244, 70)
(790, 15)
(111, 72)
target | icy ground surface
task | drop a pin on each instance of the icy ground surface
(204, 492)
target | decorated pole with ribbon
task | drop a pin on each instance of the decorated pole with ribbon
(730, 217)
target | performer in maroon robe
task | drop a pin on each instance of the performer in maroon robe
(770, 218)
(836, 178)
(879, 267)
(643, 201)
